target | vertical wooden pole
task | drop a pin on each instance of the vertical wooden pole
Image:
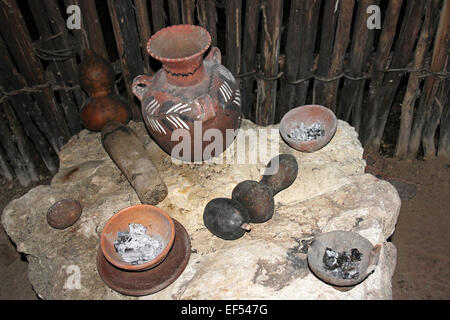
(341, 42)
(294, 38)
(233, 39)
(16, 160)
(22, 142)
(80, 35)
(188, 11)
(360, 50)
(329, 19)
(63, 71)
(401, 58)
(174, 12)
(412, 89)
(158, 15)
(307, 46)
(23, 105)
(145, 31)
(249, 42)
(444, 130)
(92, 27)
(272, 12)
(128, 44)
(433, 111)
(5, 169)
(207, 16)
(380, 63)
(15, 33)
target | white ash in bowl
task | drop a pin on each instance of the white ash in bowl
(307, 133)
(135, 246)
(342, 265)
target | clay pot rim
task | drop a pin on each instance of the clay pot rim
(178, 27)
(308, 146)
(149, 264)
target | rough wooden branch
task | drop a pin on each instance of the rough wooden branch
(412, 89)
(360, 51)
(272, 12)
(294, 38)
(402, 57)
(249, 42)
(233, 40)
(15, 33)
(174, 12)
(14, 156)
(92, 27)
(207, 16)
(433, 111)
(341, 42)
(329, 19)
(5, 169)
(129, 154)
(380, 62)
(188, 11)
(307, 47)
(145, 31)
(128, 44)
(158, 15)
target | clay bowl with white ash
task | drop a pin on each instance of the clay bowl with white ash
(308, 128)
(138, 238)
(342, 258)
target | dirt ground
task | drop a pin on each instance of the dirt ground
(422, 234)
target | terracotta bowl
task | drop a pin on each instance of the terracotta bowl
(308, 115)
(339, 242)
(157, 222)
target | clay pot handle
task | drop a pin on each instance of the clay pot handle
(140, 86)
(214, 54)
(203, 108)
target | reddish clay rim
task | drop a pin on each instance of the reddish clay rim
(180, 27)
(149, 264)
(326, 138)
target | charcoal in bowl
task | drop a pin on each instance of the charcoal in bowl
(307, 133)
(135, 246)
(342, 258)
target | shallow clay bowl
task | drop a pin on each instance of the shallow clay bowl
(340, 241)
(308, 115)
(158, 224)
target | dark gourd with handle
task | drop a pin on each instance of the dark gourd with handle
(257, 197)
(226, 218)
(284, 177)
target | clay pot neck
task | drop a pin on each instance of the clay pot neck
(185, 73)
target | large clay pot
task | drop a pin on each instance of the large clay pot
(104, 105)
(189, 93)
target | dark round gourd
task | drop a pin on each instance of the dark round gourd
(64, 213)
(284, 177)
(226, 218)
(257, 198)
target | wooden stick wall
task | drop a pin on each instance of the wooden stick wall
(284, 54)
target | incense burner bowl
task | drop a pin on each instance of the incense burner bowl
(189, 95)
(157, 222)
(308, 115)
(329, 258)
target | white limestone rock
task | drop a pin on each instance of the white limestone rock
(331, 192)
